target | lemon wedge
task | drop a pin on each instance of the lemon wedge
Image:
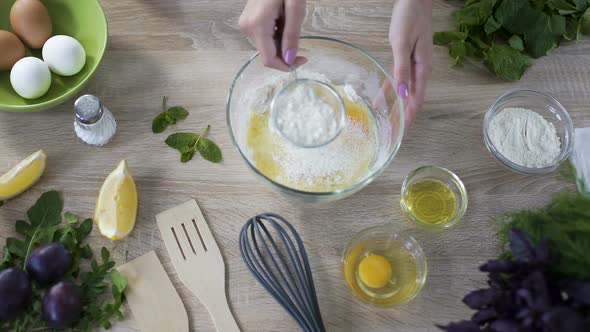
(116, 208)
(22, 176)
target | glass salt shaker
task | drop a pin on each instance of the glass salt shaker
(95, 124)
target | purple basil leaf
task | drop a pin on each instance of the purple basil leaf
(577, 290)
(505, 325)
(521, 248)
(540, 298)
(526, 297)
(484, 315)
(481, 298)
(564, 319)
(462, 326)
(541, 252)
(499, 266)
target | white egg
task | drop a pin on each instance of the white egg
(30, 77)
(64, 55)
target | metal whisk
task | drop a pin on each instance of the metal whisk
(281, 265)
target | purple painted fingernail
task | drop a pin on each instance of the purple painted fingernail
(290, 55)
(402, 90)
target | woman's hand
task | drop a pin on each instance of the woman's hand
(274, 26)
(410, 36)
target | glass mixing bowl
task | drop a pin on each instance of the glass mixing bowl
(343, 64)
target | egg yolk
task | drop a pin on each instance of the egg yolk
(375, 271)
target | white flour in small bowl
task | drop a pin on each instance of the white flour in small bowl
(524, 137)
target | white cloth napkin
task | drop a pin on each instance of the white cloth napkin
(581, 157)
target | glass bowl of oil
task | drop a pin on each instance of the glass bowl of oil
(433, 197)
(384, 268)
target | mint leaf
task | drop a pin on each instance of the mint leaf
(177, 113)
(185, 157)
(209, 150)
(506, 62)
(491, 25)
(516, 43)
(585, 22)
(168, 117)
(474, 13)
(182, 142)
(160, 123)
(444, 38)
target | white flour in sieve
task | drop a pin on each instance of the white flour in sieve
(306, 118)
(338, 164)
(525, 137)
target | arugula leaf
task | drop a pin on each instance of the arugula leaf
(43, 216)
(444, 38)
(516, 42)
(585, 22)
(475, 13)
(168, 117)
(491, 25)
(70, 218)
(506, 62)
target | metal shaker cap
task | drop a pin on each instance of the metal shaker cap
(88, 109)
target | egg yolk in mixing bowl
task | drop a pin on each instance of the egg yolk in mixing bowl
(375, 271)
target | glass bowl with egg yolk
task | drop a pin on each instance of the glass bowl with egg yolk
(384, 268)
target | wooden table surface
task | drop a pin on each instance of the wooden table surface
(190, 50)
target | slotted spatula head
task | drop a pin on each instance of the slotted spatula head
(192, 249)
(197, 259)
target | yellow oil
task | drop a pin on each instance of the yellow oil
(431, 201)
(403, 283)
(267, 146)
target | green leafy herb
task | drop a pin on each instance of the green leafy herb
(507, 62)
(565, 223)
(531, 28)
(585, 22)
(168, 117)
(516, 43)
(45, 226)
(188, 144)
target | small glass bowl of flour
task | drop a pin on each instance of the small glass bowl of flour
(528, 132)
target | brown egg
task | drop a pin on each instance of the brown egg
(12, 50)
(31, 22)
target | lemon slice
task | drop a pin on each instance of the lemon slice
(116, 208)
(22, 176)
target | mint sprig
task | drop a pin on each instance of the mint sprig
(189, 143)
(168, 117)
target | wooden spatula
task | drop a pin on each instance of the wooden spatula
(197, 260)
(151, 296)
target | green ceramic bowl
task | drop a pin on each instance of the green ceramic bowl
(81, 19)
